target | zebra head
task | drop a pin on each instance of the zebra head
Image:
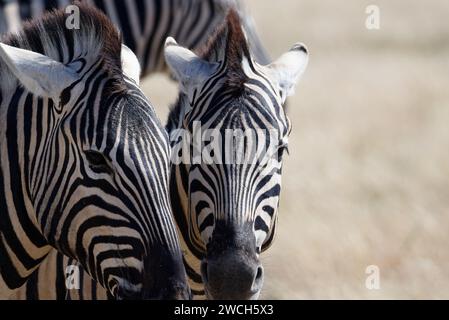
(226, 208)
(91, 156)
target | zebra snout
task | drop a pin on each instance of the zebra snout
(232, 277)
(164, 276)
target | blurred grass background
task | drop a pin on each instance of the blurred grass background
(367, 179)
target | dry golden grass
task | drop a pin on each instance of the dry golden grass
(367, 179)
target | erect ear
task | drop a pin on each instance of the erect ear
(39, 74)
(187, 67)
(130, 64)
(290, 67)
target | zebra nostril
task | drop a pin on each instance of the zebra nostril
(259, 273)
(258, 280)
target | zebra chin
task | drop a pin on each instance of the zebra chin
(231, 269)
(163, 277)
(171, 292)
(173, 289)
(232, 276)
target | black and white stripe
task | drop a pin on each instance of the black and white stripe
(48, 282)
(145, 24)
(84, 162)
(222, 194)
(226, 212)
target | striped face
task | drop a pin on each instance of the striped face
(235, 180)
(115, 171)
(229, 184)
(85, 165)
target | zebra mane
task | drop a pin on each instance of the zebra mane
(229, 43)
(96, 39)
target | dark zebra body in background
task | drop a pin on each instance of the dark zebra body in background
(145, 24)
(84, 162)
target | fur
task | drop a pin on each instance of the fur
(96, 39)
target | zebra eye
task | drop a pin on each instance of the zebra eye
(98, 162)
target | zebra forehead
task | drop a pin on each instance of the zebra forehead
(243, 114)
(136, 116)
(229, 43)
(96, 39)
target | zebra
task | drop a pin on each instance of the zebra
(223, 84)
(145, 24)
(84, 161)
(226, 212)
(201, 16)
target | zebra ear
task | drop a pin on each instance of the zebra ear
(290, 67)
(130, 64)
(187, 67)
(39, 74)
